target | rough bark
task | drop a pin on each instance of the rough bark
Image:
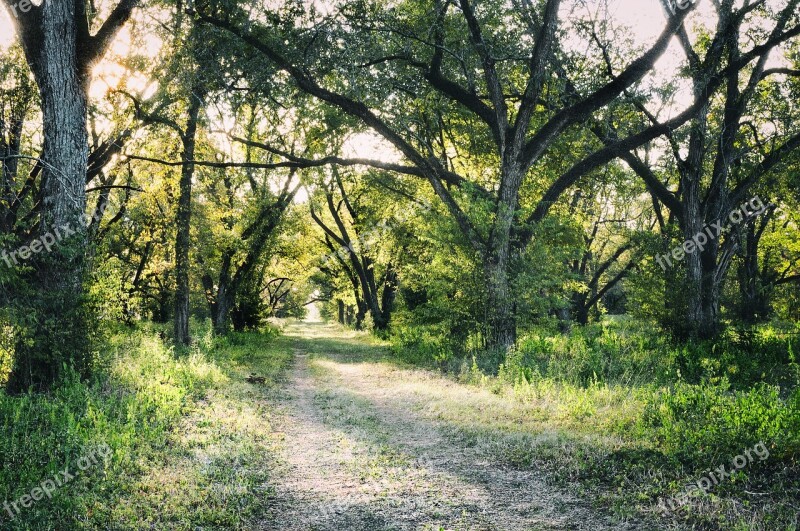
(183, 222)
(60, 52)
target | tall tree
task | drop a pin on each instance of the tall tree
(417, 59)
(61, 51)
(721, 156)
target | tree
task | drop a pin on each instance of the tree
(521, 135)
(60, 51)
(348, 242)
(725, 155)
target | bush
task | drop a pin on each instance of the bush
(700, 422)
(614, 351)
(423, 345)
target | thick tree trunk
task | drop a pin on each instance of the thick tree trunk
(501, 324)
(388, 296)
(703, 284)
(163, 306)
(221, 310)
(754, 306)
(702, 297)
(182, 240)
(500, 318)
(581, 308)
(60, 329)
(361, 314)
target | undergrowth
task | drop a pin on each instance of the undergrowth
(141, 408)
(633, 418)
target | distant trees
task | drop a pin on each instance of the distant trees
(348, 236)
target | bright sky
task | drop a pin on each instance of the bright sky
(644, 16)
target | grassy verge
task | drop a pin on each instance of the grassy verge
(632, 422)
(184, 439)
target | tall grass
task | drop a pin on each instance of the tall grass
(635, 416)
(135, 405)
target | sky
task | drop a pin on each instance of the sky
(645, 17)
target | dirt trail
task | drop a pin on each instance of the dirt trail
(361, 450)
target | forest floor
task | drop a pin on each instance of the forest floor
(362, 444)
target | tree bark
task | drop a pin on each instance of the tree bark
(221, 309)
(60, 52)
(59, 274)
(183, 223)
(501, 321)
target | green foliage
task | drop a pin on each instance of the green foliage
(605, 406)
(134, 406)
(7, 341)
(424, 345)
(250, 310)
(698, 423)
(743, 356)
(618, 350)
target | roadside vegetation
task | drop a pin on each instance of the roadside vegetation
(579, 220)
(189, 438)
(634, 418)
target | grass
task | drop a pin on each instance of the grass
(191, 444)
(625, 418)
(189, 438)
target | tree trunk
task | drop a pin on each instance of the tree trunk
(340, 305)
(221, 309)
(501, 324)
(183, 222)
(163, 305)
(361, 314)
(581, 307)
(60, 333)
(754, 289)
(500, 318)
(388, 296)
(703, 287)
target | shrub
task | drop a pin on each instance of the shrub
(699, 422)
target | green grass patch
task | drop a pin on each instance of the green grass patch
(626, 417)
(188, 436)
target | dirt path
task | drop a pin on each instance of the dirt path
(361, 449)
